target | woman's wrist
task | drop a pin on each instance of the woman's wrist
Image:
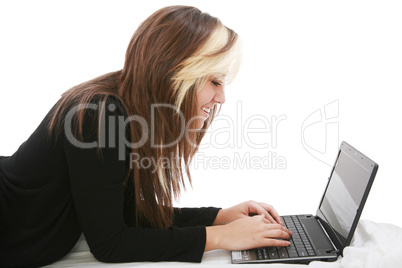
(212, 238)
(220, 218)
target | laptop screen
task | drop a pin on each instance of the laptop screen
(347, 190)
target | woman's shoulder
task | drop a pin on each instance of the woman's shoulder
(103, 102)
(93, 107)
(78, 115)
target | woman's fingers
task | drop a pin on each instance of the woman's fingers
(260, 210)
(270, 209)
(276, 243)
(275, 230)
(275, 235)
(255, 207)
(281, 233)
(267, 210)
(278, 228)
(252, 232)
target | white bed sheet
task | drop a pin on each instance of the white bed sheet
(374, 245)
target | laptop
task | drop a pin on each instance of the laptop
(324, 236)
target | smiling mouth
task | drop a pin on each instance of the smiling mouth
(206, 111)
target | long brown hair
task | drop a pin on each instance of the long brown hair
(160, 69)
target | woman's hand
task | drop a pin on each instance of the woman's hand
(246, 233)
(247, 209)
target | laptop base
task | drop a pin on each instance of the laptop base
(309, 243)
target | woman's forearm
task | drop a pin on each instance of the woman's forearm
(213, 237)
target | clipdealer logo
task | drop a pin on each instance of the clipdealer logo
(240, 161)
(256, 132)
(319, 137)
(320, 133)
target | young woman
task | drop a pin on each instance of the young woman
(83, 169)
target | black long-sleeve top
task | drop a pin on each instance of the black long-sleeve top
(51, 191)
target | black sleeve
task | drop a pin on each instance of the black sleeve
(97, 190)
(195, 216)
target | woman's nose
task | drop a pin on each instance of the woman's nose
(220, 95)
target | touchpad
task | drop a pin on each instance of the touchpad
(317, 235)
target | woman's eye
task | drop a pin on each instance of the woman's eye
(216, 83)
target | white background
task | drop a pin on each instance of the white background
(298, 57)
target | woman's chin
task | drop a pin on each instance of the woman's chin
(200, 123)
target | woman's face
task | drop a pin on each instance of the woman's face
(207, 97)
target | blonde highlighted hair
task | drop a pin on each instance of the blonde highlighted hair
(208, 61)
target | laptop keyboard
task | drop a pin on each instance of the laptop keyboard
(300, 245)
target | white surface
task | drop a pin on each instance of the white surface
(371, 247)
